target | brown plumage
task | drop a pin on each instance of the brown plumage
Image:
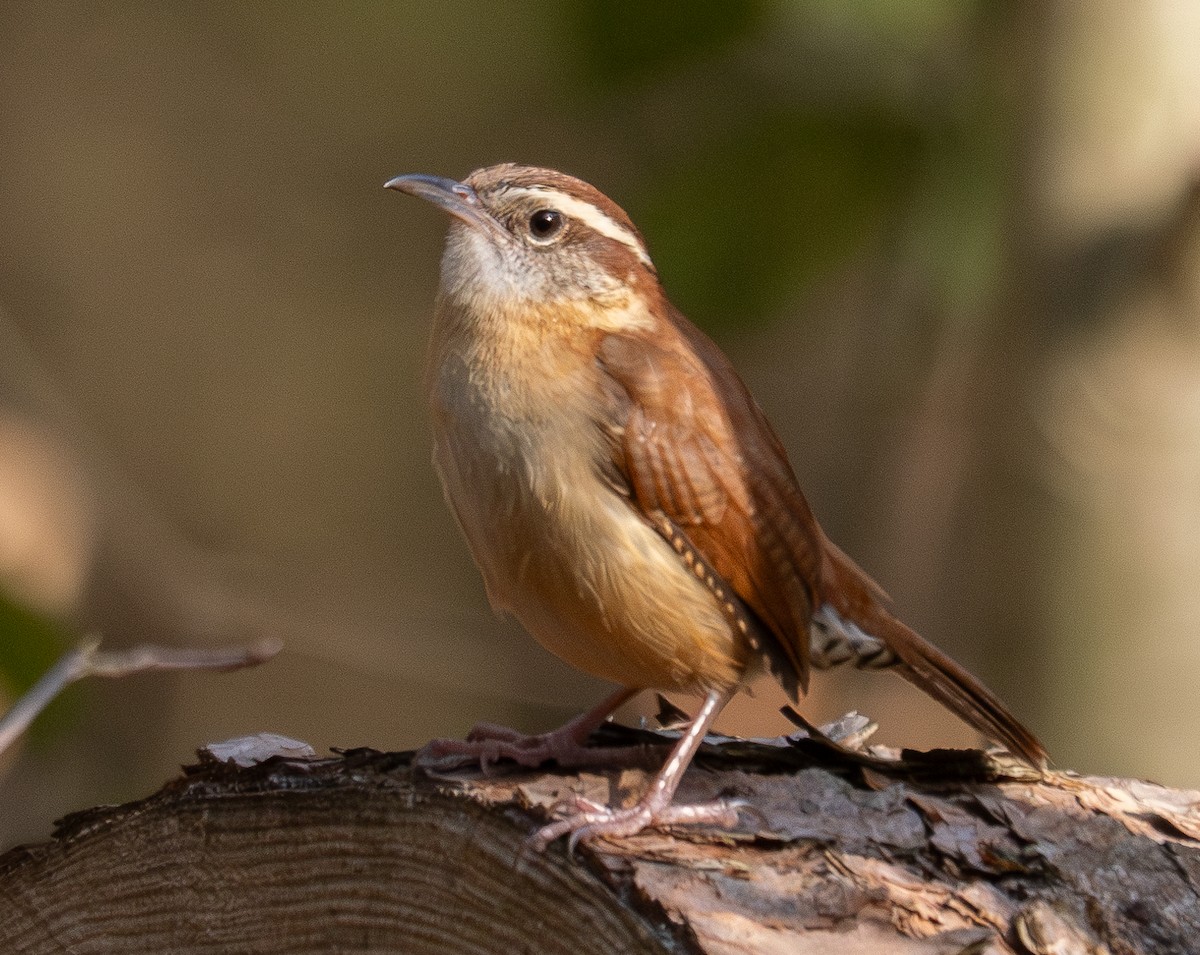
(621, 491)
(700, 456)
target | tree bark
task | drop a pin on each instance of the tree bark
(838, 851)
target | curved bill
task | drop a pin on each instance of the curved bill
(456, 198)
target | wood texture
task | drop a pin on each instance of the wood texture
(841, 852)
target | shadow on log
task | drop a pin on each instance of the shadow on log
(949, 852)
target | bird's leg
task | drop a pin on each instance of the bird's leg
(487, 743)
(590, 821)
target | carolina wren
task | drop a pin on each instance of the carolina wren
(624, 496)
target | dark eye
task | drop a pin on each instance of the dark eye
(545, 224)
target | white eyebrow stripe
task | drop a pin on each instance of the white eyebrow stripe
(589, 215)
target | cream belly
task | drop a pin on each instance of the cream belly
(561, 550)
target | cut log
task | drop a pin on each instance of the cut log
(837, 852)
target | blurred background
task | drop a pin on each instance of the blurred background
(954, 248)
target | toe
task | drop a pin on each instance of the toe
(590, 821)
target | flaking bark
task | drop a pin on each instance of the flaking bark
(838, 852)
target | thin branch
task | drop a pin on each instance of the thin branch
(87, 659)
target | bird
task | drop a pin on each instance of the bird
(624, 496)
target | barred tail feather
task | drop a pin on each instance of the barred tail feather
(929, 669)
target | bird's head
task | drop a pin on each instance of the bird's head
(524, 236)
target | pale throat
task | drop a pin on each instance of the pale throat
(495, 285)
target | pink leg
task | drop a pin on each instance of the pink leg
(590, 821)
(488, 743)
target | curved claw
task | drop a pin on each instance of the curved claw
(744, 805)
(612, 823)
(598, 822)
(487, 744)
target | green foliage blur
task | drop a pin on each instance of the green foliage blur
(29, 645)
(771, 172)
(625, 42)
(791, 195)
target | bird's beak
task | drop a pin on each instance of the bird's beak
(456, 198)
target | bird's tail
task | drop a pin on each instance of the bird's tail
(856, 598)
(952, 685)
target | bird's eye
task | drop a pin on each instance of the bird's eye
(545, 224)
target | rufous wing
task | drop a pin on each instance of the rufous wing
(700, 459)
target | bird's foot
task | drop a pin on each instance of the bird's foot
(587, 820)
(488, 744)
